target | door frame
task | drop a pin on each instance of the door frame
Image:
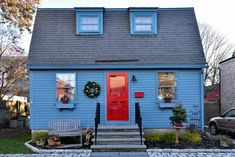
(117, 122)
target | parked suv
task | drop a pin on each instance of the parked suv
(224, 122)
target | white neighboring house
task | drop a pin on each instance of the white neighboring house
(16, 98)
(227, 71)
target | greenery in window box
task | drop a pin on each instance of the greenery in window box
(178, 118)
(65, 99)
(168, 98)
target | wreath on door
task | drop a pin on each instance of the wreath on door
(91, 89)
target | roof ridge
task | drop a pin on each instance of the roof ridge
(116, 9)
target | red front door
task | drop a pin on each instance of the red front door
(117, 96)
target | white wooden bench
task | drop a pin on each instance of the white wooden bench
(65, 128)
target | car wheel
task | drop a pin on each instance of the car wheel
(213, 129)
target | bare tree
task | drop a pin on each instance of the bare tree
(16, 16)
(12, 66)
(216, 49)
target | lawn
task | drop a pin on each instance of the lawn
(14, 145)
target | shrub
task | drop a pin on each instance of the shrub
(194, 138)
(168, 138)
(39, 135)
(152, 138)
(160, 137)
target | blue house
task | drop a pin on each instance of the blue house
(116, 57)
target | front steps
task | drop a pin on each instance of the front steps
(114, 138)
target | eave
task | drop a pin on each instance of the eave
(116, 66)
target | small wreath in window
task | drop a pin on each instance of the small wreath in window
(91, 89)
(65, 99)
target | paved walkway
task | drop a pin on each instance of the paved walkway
(124, 154)
(119, 154)
(46, 155)
(191, 154)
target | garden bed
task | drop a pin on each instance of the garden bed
(187, 141)
(40, 150)
(61, 146)
(41, 140)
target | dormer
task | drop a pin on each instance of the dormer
(89, 21)
(143, 20)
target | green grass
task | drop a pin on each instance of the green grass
(14, 145)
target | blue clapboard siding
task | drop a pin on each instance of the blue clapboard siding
(87, 105)
(146, 81)
(43, 95)
(188, 92)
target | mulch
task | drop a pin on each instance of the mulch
(206, 143)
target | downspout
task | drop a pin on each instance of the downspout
(202, 99)
(220, 90)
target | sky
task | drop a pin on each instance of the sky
(220, 14)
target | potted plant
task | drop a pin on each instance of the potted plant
(89, 137)
(178, 118)
(167, 98)
(39, 138)
(53, 140)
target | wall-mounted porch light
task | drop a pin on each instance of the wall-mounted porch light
(133, 78)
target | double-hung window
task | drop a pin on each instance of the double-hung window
(143, 23)
(89, 22)
(167, 86)
(65, 83)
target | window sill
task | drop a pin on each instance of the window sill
(65, 106)
(89, 33)
(143, 33)
(164, 105)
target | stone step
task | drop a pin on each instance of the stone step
(117, 148)
(118, 134)
(112, 128)
(118, 141)
(133, 126)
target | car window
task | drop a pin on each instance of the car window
(230, 113)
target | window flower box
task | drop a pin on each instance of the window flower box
(65, 106)
(164, 105)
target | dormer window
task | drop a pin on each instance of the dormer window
(143, 21)
(89, 21)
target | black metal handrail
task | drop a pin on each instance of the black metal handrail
(97, 119)
(138, 120)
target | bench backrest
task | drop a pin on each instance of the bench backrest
(63, 124)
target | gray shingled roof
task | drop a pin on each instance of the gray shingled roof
(54, 40)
